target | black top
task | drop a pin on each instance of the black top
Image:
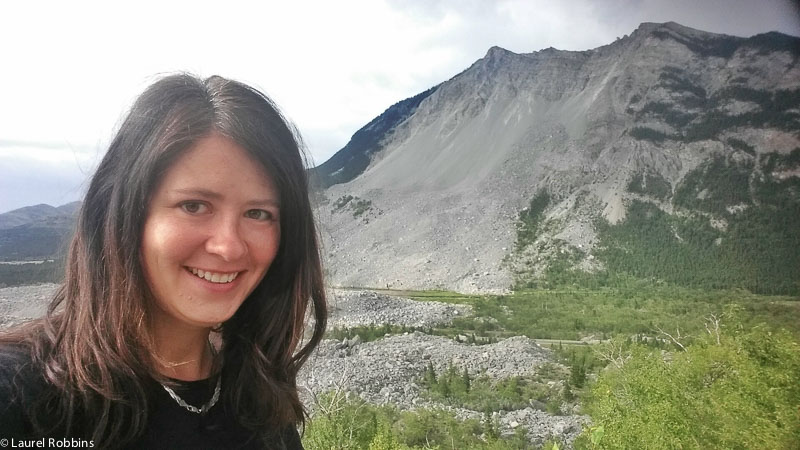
(169, 425)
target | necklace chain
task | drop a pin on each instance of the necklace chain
(203, 409)
(170, 364)
(181, 402)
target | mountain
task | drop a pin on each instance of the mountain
(36, 213)
(671, 154)
(36, 232)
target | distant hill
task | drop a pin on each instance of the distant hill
(671, 155)
(36, 232)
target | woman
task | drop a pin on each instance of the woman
(196, 228)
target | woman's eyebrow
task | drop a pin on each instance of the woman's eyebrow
(213, 195)
(199, 192)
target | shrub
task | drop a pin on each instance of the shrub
(531, 218)
(738, 392)
(648, 134)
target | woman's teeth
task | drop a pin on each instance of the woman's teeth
(215, 277)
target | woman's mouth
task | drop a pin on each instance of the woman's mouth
(214, 277)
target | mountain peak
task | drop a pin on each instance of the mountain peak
(497, 52)
(675, 29)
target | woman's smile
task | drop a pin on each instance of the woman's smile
(214, 277)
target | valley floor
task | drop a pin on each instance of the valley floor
(524, 370)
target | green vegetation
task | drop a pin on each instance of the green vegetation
(650, 183)
(341, 202)
(776, 161)
(633, 307)
(774, 109)
(676, 80)
(773, 41)
(757, 248)
(717, 46)
(742, 145)
(356, 205)
(668, 373)
(729, 393)
(530, 219)
(349, 423)
(724, 181)
(361, 206)
(353, 159)
(732, 388)
(760, 251)
(31, 273)
(369, 333)
(649, 134)
(481, 393)
(735, 226)
(665, 111)
(628, 307)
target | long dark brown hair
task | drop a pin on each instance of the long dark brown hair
(94, 344)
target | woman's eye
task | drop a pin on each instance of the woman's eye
(258, 214)
(193, 207)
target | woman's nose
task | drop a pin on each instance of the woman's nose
(226, 240)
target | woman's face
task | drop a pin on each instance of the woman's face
(212, 231)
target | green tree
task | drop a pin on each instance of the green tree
(739, 392)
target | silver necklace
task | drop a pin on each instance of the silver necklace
(201, 410)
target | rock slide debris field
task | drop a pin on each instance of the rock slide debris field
(386, 371)
(20, 304)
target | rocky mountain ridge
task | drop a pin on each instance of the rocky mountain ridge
(439, 206)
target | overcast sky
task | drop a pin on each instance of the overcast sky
(69, 70)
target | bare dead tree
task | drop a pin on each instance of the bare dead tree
(712, 326)
(613, 351)
(334, 400)
(675, 339)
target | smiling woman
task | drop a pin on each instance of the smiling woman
(192, 270)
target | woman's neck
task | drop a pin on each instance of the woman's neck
(183, 354)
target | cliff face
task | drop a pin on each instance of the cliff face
(435, 201)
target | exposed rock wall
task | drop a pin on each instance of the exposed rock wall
(449, 181)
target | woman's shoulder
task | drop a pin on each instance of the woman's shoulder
(19, 383)
(15, 361)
